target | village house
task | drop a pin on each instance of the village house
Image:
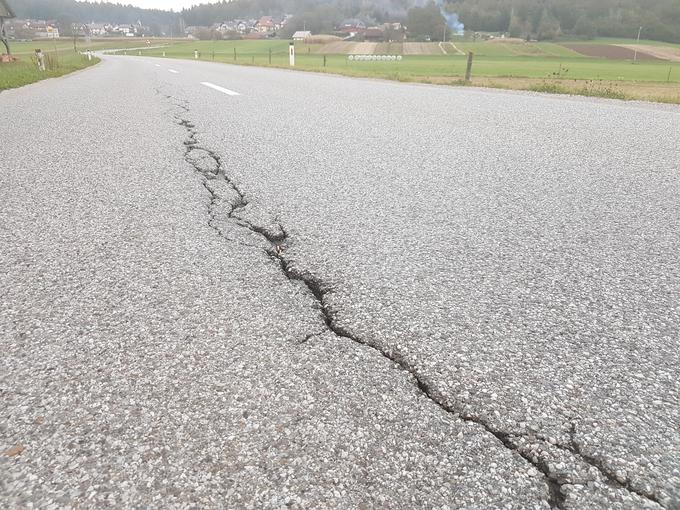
(243, 26)
(352, 27)
(124, 30)
(302, 35)
(32, 29)
(45, 30)
(265, 24)
(374, 34)
(236, 25)
(99, 29)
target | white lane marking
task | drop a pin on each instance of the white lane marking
(173, 71)
(157, 65)
(221, 89)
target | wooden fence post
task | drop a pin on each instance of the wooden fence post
(468, 69)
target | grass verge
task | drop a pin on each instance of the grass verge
(25, 70)
(589, 89)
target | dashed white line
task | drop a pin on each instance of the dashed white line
(173, 71)
(157, 65)
(221, 89)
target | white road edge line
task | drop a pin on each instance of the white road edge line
(221, 89)
(173, 71)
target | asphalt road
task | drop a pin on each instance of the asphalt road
(236, 287)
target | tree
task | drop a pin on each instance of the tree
(65, 22)
(519, 28)
(206, 34)
(548, 27)
(320, 20)
(426, 22)
(584, 27)
(522, 18)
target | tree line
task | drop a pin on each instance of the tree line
(529, 19)
(67, 12)
(549, 19)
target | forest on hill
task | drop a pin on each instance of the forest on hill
(86, 12)
(540, 19)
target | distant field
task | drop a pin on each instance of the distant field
(611, 51)
(488, 49)
(549, 67)
(20, 49)
(612, 40)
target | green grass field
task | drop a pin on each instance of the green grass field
(545, 66)
(61, 58)
(25, 71)
(23, 48)
(491, 60)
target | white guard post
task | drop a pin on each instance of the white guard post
(40, 57)
(291, 54)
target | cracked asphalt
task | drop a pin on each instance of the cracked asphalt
(327, 292)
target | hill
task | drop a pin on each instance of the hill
(540, 19)
(87, 12)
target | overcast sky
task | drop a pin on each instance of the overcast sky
(177, 5)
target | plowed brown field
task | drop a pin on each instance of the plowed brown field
(608, 51)
(660, 52)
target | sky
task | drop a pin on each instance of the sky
(177, 5)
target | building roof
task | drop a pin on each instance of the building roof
(6, 10)
(302, 34)
(374, 32)
(353, 22)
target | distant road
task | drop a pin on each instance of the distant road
(227, 286)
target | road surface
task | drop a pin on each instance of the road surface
(236, 287)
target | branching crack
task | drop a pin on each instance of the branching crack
(209, 165)
(611, 477)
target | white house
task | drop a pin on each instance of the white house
(45, 31)
(302, 35)
(98, 29)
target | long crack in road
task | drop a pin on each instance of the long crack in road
(359, 332)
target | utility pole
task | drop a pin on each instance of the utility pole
(638, 42)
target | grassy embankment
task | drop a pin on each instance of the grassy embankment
(60, 59)
(544, 67)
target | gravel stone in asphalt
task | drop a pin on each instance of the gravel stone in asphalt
(153, 355)
(518, 252)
